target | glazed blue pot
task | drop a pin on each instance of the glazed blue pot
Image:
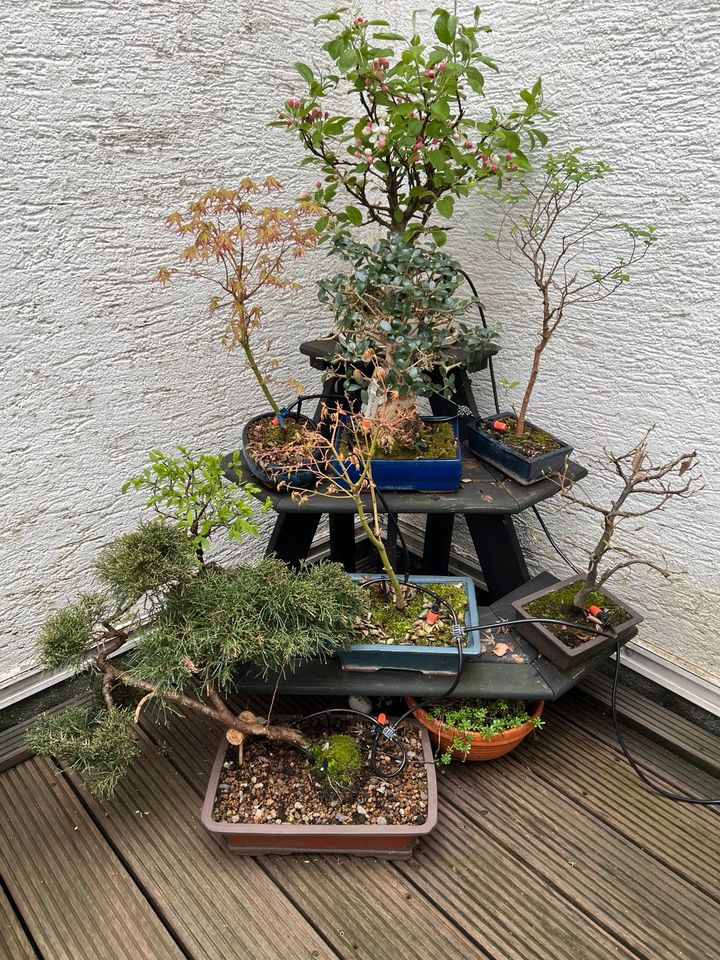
(405, 656)
(525, 470)
(419, 476)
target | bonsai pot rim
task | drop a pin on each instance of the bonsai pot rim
(525, 470)
(387, 841)
(481, 748)
(432, 661)
(552, 647)
(296, 476)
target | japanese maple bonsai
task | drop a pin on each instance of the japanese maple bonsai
(644, 487)
(546, 227)
(240, 244)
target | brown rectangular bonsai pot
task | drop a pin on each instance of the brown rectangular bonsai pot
(389, 842)
(552, 647)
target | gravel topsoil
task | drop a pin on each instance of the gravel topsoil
(275, 784)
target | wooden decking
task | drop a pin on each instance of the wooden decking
(556, 851)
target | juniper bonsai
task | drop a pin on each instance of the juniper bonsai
(188, 626)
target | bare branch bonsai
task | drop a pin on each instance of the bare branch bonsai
(545, 226)
(645, 488)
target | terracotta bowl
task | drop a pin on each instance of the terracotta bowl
(480, 748)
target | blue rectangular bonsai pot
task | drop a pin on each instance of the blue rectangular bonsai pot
(420, 476)
(405, 656)
(525, 470)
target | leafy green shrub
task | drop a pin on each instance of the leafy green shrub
(192, 492)
(397, 312)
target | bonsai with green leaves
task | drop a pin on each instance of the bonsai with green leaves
(413, 145)
(577, 257)
(400, 326)
(188, 626)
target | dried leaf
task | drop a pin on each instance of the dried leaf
(500, 649)
(518, 658)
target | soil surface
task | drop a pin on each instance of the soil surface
(272, 446)
(532, 443)
(276, 784)
(384, 623)
(559, 606)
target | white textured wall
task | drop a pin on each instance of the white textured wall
(114, 113)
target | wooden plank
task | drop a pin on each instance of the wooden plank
(14, 944)
(682, 736)
(513, 912)
(217, 905)
(363, 907)
(13, 740)
(642, 903)
(76, 898)
(598, 779)
(672, 771)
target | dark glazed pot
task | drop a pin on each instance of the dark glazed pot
(525, 470)
(553, 648)
(277, 475)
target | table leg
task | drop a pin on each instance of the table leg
(498, 551)
(438, 539)
(342, 540)
(292, 536)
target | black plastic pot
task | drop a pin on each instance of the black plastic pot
(525, 470)
(277, 475)
(552, 647)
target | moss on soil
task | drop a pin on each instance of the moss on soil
(532, 443)
(559, 606)
(265, 431)
(337, 759)
(402, 627)
(436, 442)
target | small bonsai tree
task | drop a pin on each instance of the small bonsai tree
(545, 226)
(398, 317)
(411, 148)
(341, 453)
(644, 487)
(241, 245)
(189, 626)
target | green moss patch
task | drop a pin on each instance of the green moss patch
(532, 443)
(435, 442)
(559, 606)
(383, 622)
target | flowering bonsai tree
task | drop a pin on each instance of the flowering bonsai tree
(412, 147)
(398, 317)
(575, 257)
(240, 245)
(189, 626)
